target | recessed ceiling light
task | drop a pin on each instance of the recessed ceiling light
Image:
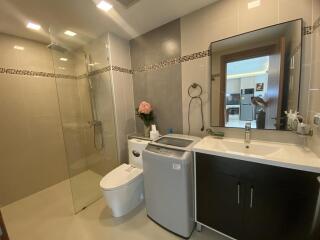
(33, 26)
(17, 47)
(70, 33)
(254, 4)
(63, 59)
(105, 6)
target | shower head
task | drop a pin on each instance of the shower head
(55, 46)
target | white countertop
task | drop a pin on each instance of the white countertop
(270, 153)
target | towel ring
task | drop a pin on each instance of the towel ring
(194, 86)
(193, 97)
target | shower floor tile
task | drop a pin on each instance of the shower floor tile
(48, 215)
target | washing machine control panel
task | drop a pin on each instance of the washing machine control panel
(165, 151)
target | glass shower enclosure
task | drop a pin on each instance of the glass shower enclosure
(87, 114)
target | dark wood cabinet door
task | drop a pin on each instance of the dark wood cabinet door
(278, 212)
(265, 212)
(252, 201)
(219, 199)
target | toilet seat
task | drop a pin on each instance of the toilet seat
(120, 176)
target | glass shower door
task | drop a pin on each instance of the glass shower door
(87, 115)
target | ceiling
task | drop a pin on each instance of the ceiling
(89, 22)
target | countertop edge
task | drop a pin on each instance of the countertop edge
(265, 161)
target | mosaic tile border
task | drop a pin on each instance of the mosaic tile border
(121, 69)
(34, 73)
(307, 30)
(152, 67)
(13, 71)
(177, 60)
(106, 69)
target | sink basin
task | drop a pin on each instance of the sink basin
(271, 153)
(254, 148)
(237, 146)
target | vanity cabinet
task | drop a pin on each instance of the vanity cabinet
(253, 201)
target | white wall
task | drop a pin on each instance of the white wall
(123, 93)
(314, 84)
(228, 18)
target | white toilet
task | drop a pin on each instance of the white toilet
(123, 187)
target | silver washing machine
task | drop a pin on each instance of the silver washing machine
(168, 182)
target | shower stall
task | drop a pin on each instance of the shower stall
(64, 121)
(87, 117)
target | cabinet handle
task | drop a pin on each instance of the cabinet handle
(239, 186)
(251, 197)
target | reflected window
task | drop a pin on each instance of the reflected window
(246, 81)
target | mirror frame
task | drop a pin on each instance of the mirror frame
(233, 36)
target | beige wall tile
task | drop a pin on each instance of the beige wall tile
(314, 142)
(314, 101)
(314, 96)
(315, 72)
(75, 150)
(195, 71)
(293, 9)
(64, 62)
(200, 28)
(36, 89)
(35, 56)
(307, 49)
(316, 10)
(122, 93)
(262, 16)
(31, 142)
(69, 100)
(304, 89)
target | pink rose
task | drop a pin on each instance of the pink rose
(145, 107)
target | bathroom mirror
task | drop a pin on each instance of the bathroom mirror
(255, 77)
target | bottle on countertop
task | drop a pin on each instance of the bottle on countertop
(154, 133)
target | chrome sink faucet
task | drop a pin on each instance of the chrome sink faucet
(247, 134)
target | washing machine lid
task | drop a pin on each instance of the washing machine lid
(176, 142)
(120, 176)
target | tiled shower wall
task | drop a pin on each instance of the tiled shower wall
(104, 160)
(314, 85)
(32, 154)
(122, 83)
(217, 21)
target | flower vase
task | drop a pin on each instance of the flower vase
(147, 129)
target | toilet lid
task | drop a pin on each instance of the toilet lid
(120, 176)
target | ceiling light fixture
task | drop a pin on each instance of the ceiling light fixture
(63, 59)
(254, 4)
(17, 47)
(105, 6)
(70, 33)
(33, 26)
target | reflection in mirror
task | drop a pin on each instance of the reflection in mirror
(256, 77)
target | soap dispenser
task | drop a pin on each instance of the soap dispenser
(154, 133)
